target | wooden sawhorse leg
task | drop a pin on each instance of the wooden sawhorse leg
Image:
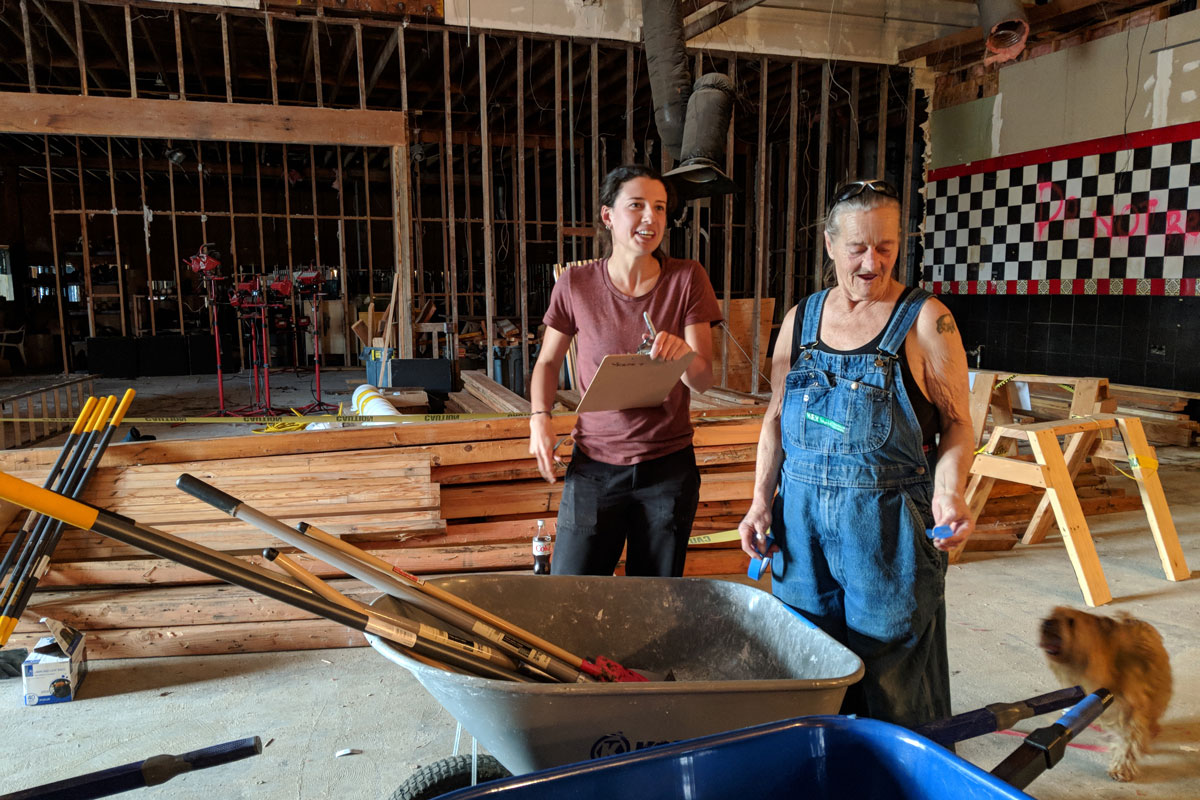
(1150, 487)
(1060, 489)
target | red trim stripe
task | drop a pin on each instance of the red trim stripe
(1106, 144)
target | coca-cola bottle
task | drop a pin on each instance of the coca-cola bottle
(542, 547)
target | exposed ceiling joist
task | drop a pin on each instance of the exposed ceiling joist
(716, 17)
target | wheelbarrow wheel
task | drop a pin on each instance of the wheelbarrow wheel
(446, 775)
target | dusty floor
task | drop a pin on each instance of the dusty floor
(309, 705)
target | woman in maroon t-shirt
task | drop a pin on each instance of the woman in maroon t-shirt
(632, 479)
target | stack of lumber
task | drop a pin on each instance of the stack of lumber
(482, 395)
(388, 489)
(1163, 412)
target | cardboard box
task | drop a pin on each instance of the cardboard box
(51, 674)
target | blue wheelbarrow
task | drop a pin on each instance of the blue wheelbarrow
(813, 757)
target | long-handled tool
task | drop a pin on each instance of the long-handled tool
(73, 437)
(602, 668)
(384, 580)
(35, 543)
(456, 651)
(50, 533)
(329, 593)
(150, 772)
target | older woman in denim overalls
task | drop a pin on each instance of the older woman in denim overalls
(868, 440)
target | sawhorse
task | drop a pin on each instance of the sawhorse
(1050, 470)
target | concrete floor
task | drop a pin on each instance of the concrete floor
(307, 706)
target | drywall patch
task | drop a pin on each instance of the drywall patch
(997, 123)
(1162, 87)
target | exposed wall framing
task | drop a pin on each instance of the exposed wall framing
(508, 137)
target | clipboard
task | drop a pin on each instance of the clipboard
(632, 381)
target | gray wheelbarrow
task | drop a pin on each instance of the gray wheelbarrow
(739, 657)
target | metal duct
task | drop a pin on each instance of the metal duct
(1005, 28)
(667, 64)
(709, 110)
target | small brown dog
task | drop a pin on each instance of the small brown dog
(1121, 654)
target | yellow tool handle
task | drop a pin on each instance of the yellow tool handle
(85, 415)
(126, 401)
(103, 411)
(46, 502)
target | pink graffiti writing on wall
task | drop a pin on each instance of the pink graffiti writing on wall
(1131, 221)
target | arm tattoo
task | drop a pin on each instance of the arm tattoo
(945, 324)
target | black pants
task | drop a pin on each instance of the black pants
(649, 506)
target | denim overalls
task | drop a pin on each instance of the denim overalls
(854, 501)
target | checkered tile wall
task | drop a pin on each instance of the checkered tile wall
(1112, 216)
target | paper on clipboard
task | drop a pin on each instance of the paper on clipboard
(632, 381)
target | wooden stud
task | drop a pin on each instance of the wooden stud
(146, 233)
(727, 283)
(273, 64)
(452, 257)
(789, 233)
(1071, 523)
(485, 169)
(62, 325)
(558, 145)
(317, 79)
(906, 273)
(368, 217)
(235, 265)
(852, 154)
(881, 133)
(112, 193)
(343, 278)
(79, 50)
(760, 225)
(262, 250)
(225, 61)
(594, 80)
(627, 149)
(89, 297)
(818, 254)
(522, 254)
(28, 36)
(175, 242)
(179, 66)
(402, 219)
(358, 53)
(1145, 471)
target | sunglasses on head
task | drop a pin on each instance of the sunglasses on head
(856, 188)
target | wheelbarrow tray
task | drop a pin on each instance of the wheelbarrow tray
(740, 658)
(817, 758)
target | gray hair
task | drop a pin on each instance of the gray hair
(864, 201)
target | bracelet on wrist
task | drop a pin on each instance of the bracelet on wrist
(532, 413)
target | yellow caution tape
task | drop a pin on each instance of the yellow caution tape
(715, 538)
(271, 419)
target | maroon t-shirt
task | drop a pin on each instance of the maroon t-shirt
(586, 305)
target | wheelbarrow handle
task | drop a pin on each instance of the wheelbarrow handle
(151, 772)
(996, 716)
(1044, 748)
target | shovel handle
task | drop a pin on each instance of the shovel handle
(207, 493)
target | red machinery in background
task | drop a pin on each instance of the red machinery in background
(205, 264)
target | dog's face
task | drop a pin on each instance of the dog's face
(1069, 635)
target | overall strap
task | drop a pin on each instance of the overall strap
(806, 335)
(902, 321)
(812, 317)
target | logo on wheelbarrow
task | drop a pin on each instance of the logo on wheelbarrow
(613, 744)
